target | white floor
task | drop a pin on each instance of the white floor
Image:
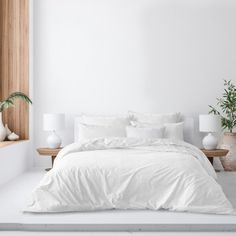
(17, 233)
(37, 233)
(13, 198)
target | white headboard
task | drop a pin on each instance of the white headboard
(76, 128)
(189, 129)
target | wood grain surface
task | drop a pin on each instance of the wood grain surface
(14, 61)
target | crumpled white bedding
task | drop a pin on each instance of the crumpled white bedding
(130, 173)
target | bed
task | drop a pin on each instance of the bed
(130, 173)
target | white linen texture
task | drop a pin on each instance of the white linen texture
(105, 120)
(155, 118)
(91, 127)
(145, 132)
(130, 173)
(174, 131)
(87, 132)
(171, 130)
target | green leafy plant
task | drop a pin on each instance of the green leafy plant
(226, 106)
(9, 101)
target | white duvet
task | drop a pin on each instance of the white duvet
(128, 173)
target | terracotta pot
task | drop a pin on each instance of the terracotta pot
(3, 132)
(229, 142)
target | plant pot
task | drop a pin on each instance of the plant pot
(229, 142)
(3, 131)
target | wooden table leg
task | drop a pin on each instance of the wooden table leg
(53, 158)
(210, 159)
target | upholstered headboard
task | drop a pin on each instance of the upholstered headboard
(189, 129)
(76, 128)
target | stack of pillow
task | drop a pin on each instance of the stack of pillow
(102, 126)
(167, 125)
(138, 125)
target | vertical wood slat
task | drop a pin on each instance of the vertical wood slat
(14, 61)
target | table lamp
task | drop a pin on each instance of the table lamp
(53, 122)
(211, 124)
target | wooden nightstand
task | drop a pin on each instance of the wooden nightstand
(49, 152)
(214, 153)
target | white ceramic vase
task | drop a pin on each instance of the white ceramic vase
(229, 142)
(210, 142)
(53, 140)
(3, 131)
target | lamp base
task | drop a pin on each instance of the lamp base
(53, 140)
(210, 142)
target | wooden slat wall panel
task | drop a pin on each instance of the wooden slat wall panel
(14, 61)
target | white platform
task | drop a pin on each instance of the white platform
(13, 198)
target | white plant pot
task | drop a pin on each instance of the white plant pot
(3, 131)
(229, 143)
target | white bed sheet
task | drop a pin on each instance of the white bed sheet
(128, 173)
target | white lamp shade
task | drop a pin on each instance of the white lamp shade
(53, 122)
(209, 123)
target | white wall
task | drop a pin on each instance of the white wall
(14, 160)
(109, 56)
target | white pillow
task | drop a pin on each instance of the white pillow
(145, 132)
(171, 130)
(105, 120)
(99, 131)
(155, 119)
(174, 131)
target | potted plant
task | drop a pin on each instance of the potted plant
(9, 102)
(226, 108)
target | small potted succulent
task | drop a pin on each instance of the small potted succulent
(9, 102)
(226, 108)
